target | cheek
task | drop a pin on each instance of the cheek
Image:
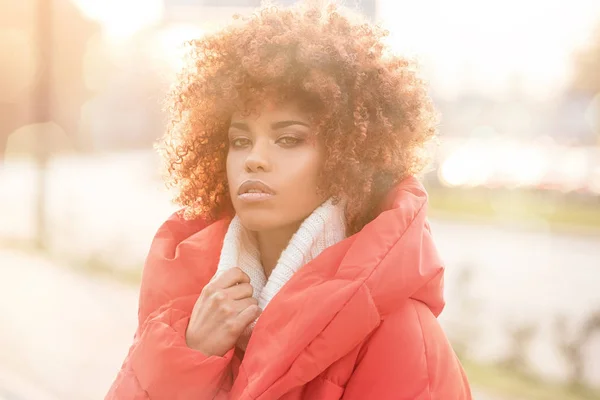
(315, 163)
(304, 173)
(231, 167)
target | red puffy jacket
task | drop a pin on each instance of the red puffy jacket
(358, 322)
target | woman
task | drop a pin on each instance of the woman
(301, 265)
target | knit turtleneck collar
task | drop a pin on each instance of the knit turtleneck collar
(323, 228)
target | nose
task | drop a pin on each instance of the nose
(258, 160)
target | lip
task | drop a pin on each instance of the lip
(255, 190)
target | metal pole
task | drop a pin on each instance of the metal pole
(42, 114)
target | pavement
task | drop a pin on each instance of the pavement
(64, 335)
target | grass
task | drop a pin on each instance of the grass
(92, 265)
(511, 384)
(544, 211)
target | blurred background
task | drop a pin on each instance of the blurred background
(514, 187)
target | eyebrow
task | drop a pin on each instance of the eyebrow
(276, 125)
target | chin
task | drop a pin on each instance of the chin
(260, 220)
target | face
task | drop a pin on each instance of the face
(273, 164)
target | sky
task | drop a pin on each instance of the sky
(478, 43)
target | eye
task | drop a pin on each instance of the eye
(239, 143)
(289, 141)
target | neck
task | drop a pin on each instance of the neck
(272, 243)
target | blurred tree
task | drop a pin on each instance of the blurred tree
(586, 65)
(521, 337)
(20, 75)
(574, 345)
(586, 82)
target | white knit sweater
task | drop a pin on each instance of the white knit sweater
(323, 228)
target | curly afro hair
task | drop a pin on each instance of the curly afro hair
(369, 107)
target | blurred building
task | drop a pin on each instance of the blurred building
(20, 69)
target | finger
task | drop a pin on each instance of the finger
(247, 316)
(230, 277)
(241, 305)
(238, 292)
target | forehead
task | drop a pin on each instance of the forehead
(272, 110)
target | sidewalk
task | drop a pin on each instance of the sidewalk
(14, 387)
(63, 335)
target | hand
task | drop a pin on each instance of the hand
(223, 310)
